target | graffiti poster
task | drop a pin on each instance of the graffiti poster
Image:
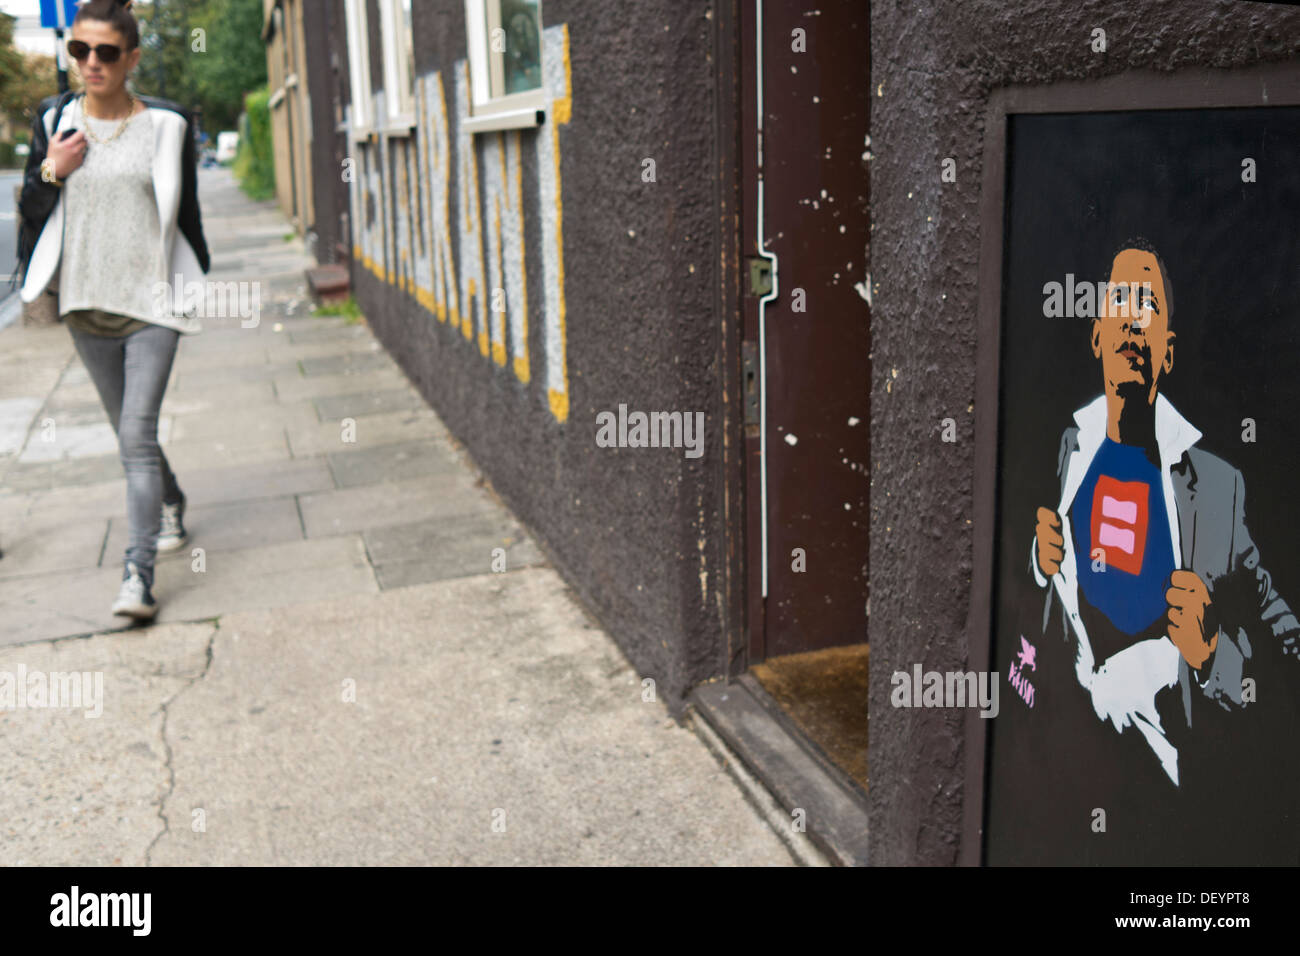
(1146, 623)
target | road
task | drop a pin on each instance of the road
(9, 178)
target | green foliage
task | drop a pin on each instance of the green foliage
(254, 165)
(166, 63)
(348, 308)
(235, 60)
(11, 64)
(20, 95)
(203, 54)
(25, 80)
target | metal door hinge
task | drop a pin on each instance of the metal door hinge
(760, 275)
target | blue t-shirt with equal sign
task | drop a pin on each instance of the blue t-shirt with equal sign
(1122, 501)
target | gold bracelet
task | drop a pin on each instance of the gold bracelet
(49, 176)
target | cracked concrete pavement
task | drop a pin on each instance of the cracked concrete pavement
(338, 677)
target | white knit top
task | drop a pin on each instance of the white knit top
(112, 237)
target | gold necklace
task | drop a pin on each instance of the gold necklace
(130, 112)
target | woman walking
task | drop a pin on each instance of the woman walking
(111, 219)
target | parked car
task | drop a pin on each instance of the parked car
(227, 146)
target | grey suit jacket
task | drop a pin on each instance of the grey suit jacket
(1216, 544)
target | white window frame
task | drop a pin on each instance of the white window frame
(399, 67)
(358, 34)
(501, 111)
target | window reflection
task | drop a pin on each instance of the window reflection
(522, 60)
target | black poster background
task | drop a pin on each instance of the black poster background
(1078, 185)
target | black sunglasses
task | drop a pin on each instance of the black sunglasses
(80, 50)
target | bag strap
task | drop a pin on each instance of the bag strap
(26, 243)
(58, 109)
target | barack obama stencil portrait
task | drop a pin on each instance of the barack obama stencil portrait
(1143, 607)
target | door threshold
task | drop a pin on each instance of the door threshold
(793, 768)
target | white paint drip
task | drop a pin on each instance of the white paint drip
(864, 289)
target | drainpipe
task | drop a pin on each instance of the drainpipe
(771, 295)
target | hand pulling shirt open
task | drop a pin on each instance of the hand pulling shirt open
(1120, 509)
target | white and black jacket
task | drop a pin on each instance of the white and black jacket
(175, 180)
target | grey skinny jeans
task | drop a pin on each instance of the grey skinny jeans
(130, 373)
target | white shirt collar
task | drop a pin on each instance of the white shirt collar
(1174, 433)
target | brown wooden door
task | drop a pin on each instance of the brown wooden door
(816, 342)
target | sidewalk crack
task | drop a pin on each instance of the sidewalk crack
(167, 748)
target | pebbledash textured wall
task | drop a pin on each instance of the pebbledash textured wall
(317, 21)
(933, 67)
(608, 283)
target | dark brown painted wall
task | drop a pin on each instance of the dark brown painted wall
(933, 67)
(632, 530)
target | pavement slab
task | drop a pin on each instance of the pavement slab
(364, 431)
(294, 387)
(47, 541)
(395, 462)
(346, 510)
(228, 526)
(455, 547)
(338, 407)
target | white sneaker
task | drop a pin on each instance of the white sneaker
(172, 534)
(134, 599)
